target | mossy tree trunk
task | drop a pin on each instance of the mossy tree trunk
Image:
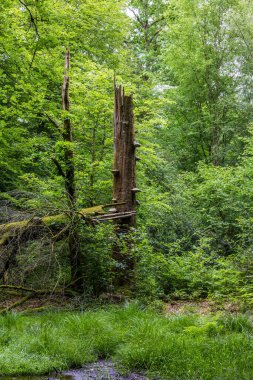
(70, 187)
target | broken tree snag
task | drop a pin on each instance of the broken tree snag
(124, 155)
(123, 184)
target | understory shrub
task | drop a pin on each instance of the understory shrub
(196, 274)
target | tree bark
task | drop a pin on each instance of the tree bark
(124, 183)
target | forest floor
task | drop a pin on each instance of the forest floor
(19, 303)
(202, 307)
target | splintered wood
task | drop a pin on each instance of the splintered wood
(124, 183)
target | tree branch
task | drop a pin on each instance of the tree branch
(32, 18)
(58, 166)
(155, 35)
(156, 21)
(53, 122)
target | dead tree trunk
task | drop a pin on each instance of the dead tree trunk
(124, 183)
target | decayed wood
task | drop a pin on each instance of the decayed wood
(52, 223)
(124, 154)
(124, 183)
(115, 216)
(31, 293)
(23, 289)
(13, 234)
(16, 304)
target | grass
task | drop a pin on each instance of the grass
(171, 347)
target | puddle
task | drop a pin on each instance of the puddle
(102, 370)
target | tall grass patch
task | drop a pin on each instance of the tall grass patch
(169, 347)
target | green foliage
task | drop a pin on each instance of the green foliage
(210, 110)
(189, 66)
(97, 263)
(33, 39)
(150, 269)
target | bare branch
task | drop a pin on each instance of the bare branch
(155, 35)
(32, 18)
(156, 21)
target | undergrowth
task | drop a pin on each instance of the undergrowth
(170, 347)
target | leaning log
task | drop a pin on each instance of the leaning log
(55, 223)
(13, 234)
(51, 222)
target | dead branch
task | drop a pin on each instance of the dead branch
(38, 291)
(15, 304)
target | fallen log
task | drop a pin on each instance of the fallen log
(55, 223)
(114, 216)
(52, 222)
(13, 234)
(23, 289)
(16, 304)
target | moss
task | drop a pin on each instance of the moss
(6, 230)
(63, 218)
(92, 210)
(4, 238)
(59, 219)
(14, 226)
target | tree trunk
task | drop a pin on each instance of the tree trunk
(124, 183)
(74, 238)
(67, 137)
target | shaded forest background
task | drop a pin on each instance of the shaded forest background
(188, 64)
